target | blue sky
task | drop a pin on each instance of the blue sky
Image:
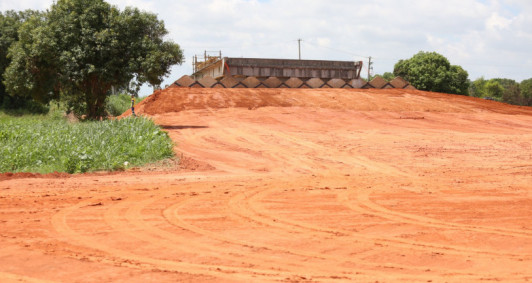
(489, 38)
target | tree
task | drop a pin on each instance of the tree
(526, 91)
(476, 88)
(433, 72)
(506, 83)
(10, 22)
(512, 95)
(82, 48)
(459, 82)
(493, 89)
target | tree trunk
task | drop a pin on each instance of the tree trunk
(95, 99)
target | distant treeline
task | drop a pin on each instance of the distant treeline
(432, 72)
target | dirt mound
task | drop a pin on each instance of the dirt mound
(176, 99)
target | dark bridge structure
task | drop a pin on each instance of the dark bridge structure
(230, 72)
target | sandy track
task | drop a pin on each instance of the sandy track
(292, 185)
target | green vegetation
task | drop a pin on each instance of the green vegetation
(47, 144)
(526, 91)
(79, 49)
(503, 90)
(10, 22)
(67, 59)
(433, 72)
(119, 103)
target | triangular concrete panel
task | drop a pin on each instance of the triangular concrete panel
(185, 81)
(336, 83)
(378, 82)
(251, 82)
(229, 81)
(398, 82)
(357, 83)
(314, 83)
(272, 82)
(207, 81)
(293, 83)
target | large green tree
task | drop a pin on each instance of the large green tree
(10, 22)
(433, 72)
(81, 48)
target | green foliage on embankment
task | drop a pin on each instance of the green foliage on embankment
(46, 144)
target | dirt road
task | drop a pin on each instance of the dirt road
(291, 185)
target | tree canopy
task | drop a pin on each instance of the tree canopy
(526, 91)
(503, 90)
(10, 22)
(433, 72)
(81, 48)
(493, 89)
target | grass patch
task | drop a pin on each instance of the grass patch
(45, 144)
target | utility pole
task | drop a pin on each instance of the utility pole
(369, 68)
(299, 47)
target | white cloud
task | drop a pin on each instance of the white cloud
(496, 23)
(490, 38)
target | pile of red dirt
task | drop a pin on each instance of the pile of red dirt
(176, 99)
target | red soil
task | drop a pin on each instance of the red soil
(291, 185)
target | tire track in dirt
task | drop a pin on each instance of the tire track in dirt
(262, 215)
(363, 202)
(59, 222)
(255, 203)
(173, 215)
(125, 218)
(134, 225)
(401, 271)
(6, 277)
(250, 212)
(156, 234)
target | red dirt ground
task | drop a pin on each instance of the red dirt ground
(291, 185)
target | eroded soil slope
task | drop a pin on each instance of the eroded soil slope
(291, 185)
